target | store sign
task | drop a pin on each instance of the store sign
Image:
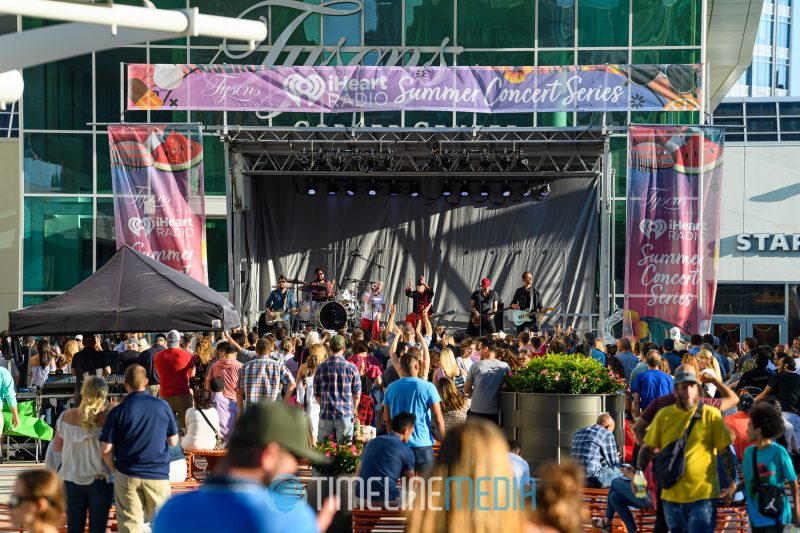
(370, 88)
(768, 242)
(330, 55)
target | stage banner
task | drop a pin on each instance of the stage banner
(374, 88)
(159, 207)
(672, 230)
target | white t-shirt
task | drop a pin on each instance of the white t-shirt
(371, 312)
(520, 467)
(199, 435)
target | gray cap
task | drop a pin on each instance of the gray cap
(685, 376)
(173, 338)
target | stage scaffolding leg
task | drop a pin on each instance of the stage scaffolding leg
(243, 279)
(604, 193)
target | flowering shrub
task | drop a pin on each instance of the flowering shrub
(560, 373)
(344, 456)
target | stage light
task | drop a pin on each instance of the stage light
(351, 188)
(433, 160)
(463, 160)
(506, 190)
(541, 193)
(394, 189)
(319, 162)
(487, 158)
(465, 189)
(506, 159)
(522, 160)
(310, 189)
(447, 160)
(373, 189)
(484, 189)
(526, 190)
(413, 189)
(304, 160)
(372, 162)
(387, 158)
(337, 160)
(447, 190)
(332, 189)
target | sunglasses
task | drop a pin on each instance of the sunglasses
(15, 500)
(682, 78)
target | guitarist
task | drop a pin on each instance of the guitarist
(482, 307)
(527, 298)
(280, 306)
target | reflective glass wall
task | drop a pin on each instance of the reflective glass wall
(68, 221)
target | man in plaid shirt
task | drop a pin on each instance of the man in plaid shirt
(261, 379)
(337, 386)
(594, 448)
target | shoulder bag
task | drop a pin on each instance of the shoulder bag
(669, 464)
(769, 497)
(220, 445)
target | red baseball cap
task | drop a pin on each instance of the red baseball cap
(485, 282)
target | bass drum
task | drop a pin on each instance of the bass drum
(332, 316)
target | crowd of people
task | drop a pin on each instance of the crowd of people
(269, 400)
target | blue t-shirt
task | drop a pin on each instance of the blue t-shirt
(235, 505)
(599, 356)
(413, 395)
(775, 468)
(651, 384)
(673, 360)
(385, 457)
(138, 428)
(629, 362)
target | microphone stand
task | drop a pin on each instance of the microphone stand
(370, 261)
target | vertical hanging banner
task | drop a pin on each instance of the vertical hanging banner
(159, 207)
(672, 230)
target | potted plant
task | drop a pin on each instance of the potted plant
(338, 475)
(552, 397)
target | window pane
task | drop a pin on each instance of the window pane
(558, 58)
(383, 22)
(557, 119)
(619, 163)
(601, 57)
(57, 242)
(169, 56)
(762, 125)
(33, 299)
(347, 26)
(217, 246)
(496, 23)
(556, 23)
(760, 109)
(214, 166)
(602, 23)
(659, 57)
(619, 245)
(108, 83)
(227, 8)
(666, 22)
(749, 299)
(495, 59)
(103, 164)
(731, 110)
(306, 34)
(106, 241)
(58, 162)
(58, 96)
(428, 22)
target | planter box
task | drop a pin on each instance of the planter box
(546, 423)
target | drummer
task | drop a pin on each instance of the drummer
(321, 289)
(280, 306)
(373, 308)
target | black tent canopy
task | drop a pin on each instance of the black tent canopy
(132, 293)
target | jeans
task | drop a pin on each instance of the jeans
(620, 498)
(341, 428)
(794, 420)
(95, 498)
(423, 460)
(694, 517)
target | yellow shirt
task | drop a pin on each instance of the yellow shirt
(700, 480)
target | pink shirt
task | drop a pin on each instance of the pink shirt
(229, 370)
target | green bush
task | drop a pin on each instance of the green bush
(559, 373)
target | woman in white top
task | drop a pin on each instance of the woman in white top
(42, 364)
(305, 393)
(201, 431)
(85, 475)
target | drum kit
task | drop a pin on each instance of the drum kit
(341, 311)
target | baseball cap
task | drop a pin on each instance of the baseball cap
(685, 376)
(745, 403)
(173, 338)
(160, 336)
(675, 333)
(269, 422)
(78, 337)
(337, 343)
(668, 344)
(486, 282)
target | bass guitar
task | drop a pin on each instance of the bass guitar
(476, 317)
(521, 317)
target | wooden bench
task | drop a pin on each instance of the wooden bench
(210, 455)
(378, 521)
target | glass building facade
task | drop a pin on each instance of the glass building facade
(68, 222)
(769, 74)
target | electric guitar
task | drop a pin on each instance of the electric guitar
(411, 318)
(277, 316)
(476, 317)
(520, 317)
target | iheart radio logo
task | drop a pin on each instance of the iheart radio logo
(299, 87)
(649, 227)
(138, 225)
